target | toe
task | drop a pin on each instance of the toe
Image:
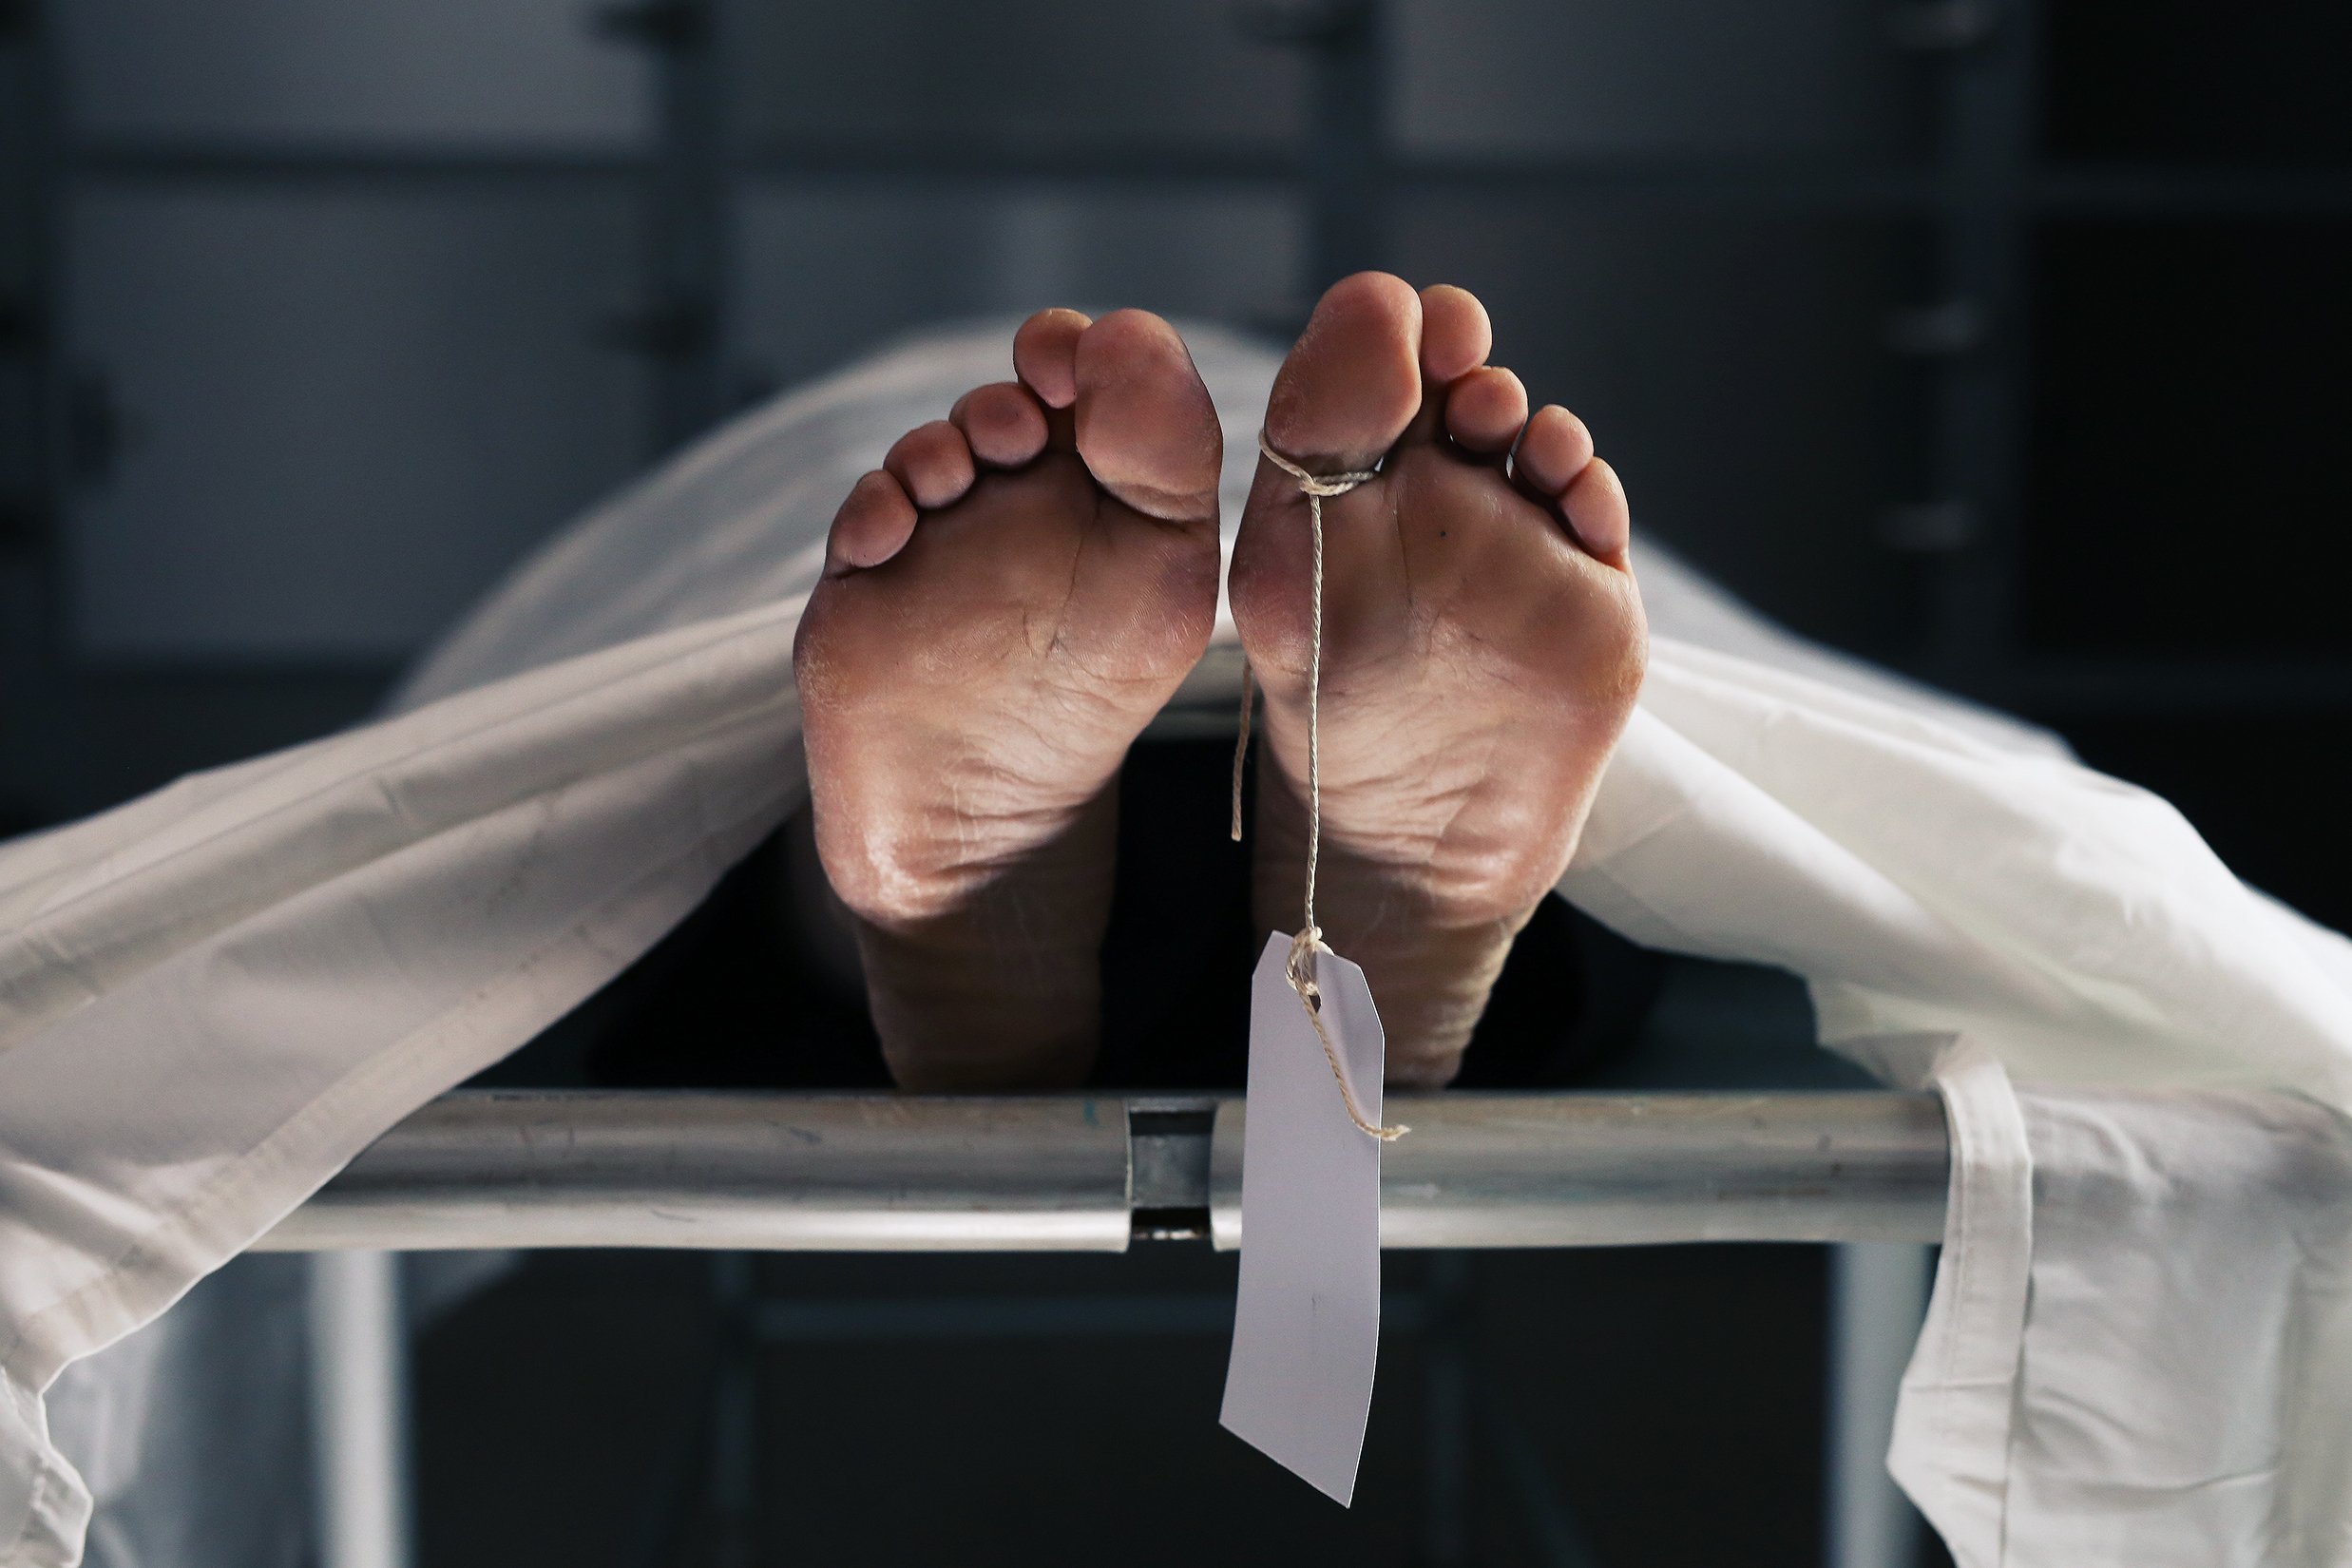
(1353, 379)
(1456, 336)
(1596, 508)
(1045, 355)
(1145, 426)
(1554, 451)
(872, 526)
(932, 463)
(1001, 423)
(1485, 410)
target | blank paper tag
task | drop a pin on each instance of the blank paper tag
(1306, 1326)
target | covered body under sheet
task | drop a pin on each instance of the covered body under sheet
(213, 997)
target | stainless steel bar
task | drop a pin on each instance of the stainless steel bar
(1572, 1170)
(786, 1173)
(359, 1413)
(883, 1172)
(1878, 1297)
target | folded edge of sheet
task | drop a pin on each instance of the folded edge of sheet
(45, 1510)
(1953, 1421)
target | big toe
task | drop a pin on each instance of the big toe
(1353, 380)
(1145, 425)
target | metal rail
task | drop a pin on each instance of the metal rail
(1093, 1173)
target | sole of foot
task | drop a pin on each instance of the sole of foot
(1004, 605)
(1483, 646)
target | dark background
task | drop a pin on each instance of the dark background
(2007, 344)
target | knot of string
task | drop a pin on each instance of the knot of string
(1301, 966)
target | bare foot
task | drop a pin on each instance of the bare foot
(1483, 646)
(1004, 607)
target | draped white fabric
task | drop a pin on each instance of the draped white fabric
(213, 997)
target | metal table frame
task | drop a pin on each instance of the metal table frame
(1096, 1172)
(733, 1173)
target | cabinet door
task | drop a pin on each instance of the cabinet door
(341, 413)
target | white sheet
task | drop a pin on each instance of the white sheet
(211, 998)
(193, 1433)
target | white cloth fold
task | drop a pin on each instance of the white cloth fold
(211, 998)
(1953, 1423)
(2135, 1350)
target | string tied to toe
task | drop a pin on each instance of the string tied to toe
(1315, 486)
(1300, 969)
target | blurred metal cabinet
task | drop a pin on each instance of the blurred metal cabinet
(343, 411)
(823, 272)
(1077, 76)
(1729, 363)
(905, 161)
(1690, 256)
(337, 280)
(1653, 80)
(462, 73)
